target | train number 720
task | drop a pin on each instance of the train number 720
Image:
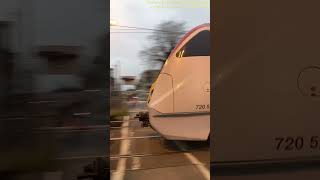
(289, 143)
(203, 107)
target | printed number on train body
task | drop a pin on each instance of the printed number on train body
(291, 143)
(203, 107)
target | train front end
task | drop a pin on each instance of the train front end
(179, 99)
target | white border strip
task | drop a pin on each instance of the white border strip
(203, 170)
(124, 149)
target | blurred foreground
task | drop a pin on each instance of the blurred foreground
(53, 89)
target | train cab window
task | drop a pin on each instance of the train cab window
(199, 45)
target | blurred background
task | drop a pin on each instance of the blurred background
(142, 35)
(54, 92)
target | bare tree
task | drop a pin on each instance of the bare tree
(162, 40)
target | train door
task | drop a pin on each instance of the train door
(191, 74)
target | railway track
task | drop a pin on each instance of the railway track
(136, 152)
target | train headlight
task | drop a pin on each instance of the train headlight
(150, 94)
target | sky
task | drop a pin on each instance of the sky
(125, 47)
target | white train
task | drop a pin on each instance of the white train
(179, 99)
